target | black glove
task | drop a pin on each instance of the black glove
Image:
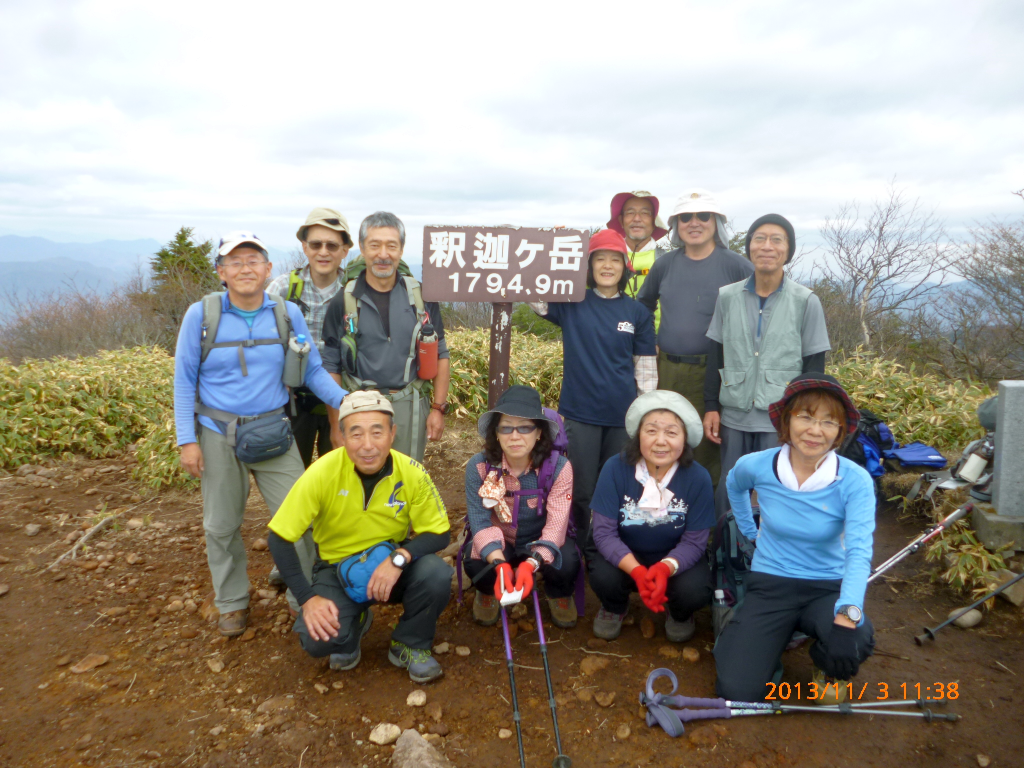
(843, 659)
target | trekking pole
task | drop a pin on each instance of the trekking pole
(932, 533)
(562, 760)
(929, 633)
(662, 709)
(512, 674)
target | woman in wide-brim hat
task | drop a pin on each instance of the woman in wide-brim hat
(510, 525)
(813, 549)
(653, 509)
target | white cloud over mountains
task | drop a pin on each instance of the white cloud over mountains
(128, 120)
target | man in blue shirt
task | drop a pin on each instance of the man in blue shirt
(238, 383)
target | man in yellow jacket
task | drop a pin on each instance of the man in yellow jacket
(364, 501)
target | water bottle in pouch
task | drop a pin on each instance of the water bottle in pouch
(426, 352)
(296, 357)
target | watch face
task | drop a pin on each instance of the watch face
(853, 613)
(398, 560)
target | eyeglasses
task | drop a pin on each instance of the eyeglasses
(250, 263)
(637, 213)
(316, 245)
(762, 239)
(703, 216)
(808, 421)
(525, 429)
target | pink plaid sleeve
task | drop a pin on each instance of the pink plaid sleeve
(559, 507)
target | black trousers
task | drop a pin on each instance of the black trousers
(687, 591)
(423, 590)
(311, 429)
(590, 446)
(749, 648)
(558, 582)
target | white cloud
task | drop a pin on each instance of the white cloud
(125, 120)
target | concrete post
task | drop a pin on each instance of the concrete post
(1003, 521)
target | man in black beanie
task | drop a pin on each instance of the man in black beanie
(766, 330)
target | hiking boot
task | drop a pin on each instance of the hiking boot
(830, 690)
(341, 662)
(679, 631)
(563, 612)
(485, 609)
(232, 623)
(421, 665)
(607, 625)
(274, 579)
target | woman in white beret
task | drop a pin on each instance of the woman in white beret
(653, 509)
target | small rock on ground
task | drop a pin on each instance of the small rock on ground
(504, 733)
(4, 589)
(414, 751)
(605, 698)
(669, 651)
(461, 650)
(970, 619)
(385, 733)
(691, 655)
(216, 665)
(276, 704)
(434, 711)
(260, 545)
(90, 663)
(337, 685)
(594, 664)
(647, 628)
(32, 529)
(321, 688)
(984, 761)
(441, 649)
(622, 732)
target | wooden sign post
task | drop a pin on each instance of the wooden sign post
(502, 265)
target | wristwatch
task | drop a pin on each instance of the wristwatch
(442, 407)
(852, 612)
(538, 560)
(399, 560)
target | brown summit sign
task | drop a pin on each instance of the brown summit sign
(504, 264)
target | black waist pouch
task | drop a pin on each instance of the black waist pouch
(264, 438)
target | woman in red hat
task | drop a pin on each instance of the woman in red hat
(813, 549)
(609, 358)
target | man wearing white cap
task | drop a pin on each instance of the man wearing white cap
(685, 283)
(326, 240)
(364, 501)
(230, 370)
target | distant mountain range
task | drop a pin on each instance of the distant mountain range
(35, 266)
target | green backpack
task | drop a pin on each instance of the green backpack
(348, 341)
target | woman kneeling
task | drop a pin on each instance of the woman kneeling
(510, 521)
(653, 508)
(813, 549)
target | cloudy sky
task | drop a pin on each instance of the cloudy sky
(127, 120)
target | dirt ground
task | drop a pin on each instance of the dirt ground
(173, 693)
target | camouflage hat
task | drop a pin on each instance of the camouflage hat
(326, 217)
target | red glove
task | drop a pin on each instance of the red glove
(524, 576)
(504, 574)
(639, 575)
(658, 575)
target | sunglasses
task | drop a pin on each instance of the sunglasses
(525, 429)
(316, 245)
(703, 216)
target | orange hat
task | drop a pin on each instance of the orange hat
(610, 240)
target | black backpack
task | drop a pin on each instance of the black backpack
(874, 430)
(731, 555)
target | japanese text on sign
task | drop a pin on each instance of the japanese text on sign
(502, 264)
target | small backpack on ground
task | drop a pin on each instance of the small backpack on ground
(731, 556)
(545, 480)
(866, 445)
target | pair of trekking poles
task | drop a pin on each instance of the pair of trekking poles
(932, 533)
(511, 598)
(671, 711)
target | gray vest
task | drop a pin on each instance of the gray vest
(756, 379)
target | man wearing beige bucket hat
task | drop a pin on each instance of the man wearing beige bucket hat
(326, 241)
(684, 283)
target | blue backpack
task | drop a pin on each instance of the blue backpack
(868, 444)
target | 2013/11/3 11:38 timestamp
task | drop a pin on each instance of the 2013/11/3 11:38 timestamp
(908, 691)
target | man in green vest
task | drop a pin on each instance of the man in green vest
(635, 217)
(765, 330)
(326, 240)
